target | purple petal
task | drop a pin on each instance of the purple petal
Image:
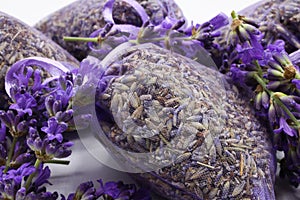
(296, 82)
(43, 177)
(285, 127)
(107, 11)
(219, 21)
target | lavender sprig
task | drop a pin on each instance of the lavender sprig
(109, 191)
(274, 80)
(35, 133)
(170, 34)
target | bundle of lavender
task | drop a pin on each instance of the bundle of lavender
(259, 60)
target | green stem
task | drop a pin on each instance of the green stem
(61, 162)
(260, 72)
(81, 39)
(262, 83)
(10, 154)
(70, 105)
(234, 15)
(31, 176)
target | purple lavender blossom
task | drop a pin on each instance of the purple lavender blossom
(47, 149)
(18, 174)
(285, 127)
(54, 149)
(55, 129)
(115, 189)
(110, 190)
(245, 37)
(250, 51)
(240, 75)
(23, 103)
(42, 194)
(43, 174)
(277, 46)
(3, 146)
(85, 190)
(21, 74)
(10, 182)
(23, 158)
(119, 190)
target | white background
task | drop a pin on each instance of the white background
(84, 167)
(31, 11)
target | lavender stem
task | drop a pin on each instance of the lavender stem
(31, 176)
(10, 154)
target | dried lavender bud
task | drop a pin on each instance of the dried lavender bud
(84, 17)
(188, 131)
(19, 41)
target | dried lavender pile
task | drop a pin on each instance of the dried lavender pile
(19, 41)
(192, 121)
(84, 17)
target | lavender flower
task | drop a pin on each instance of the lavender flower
(277, 46)
(47, 149)
(43, 174)
(10, 182)
(36, 121)
(206, 32)
(116, 190)
(245, 37)
(110, 190)
(24, 103)
(55, 129)
(41, 194)
(21, 158)
(119, 190)
(10, 119)
(21, 74)
(169, 34)
(85, 190)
